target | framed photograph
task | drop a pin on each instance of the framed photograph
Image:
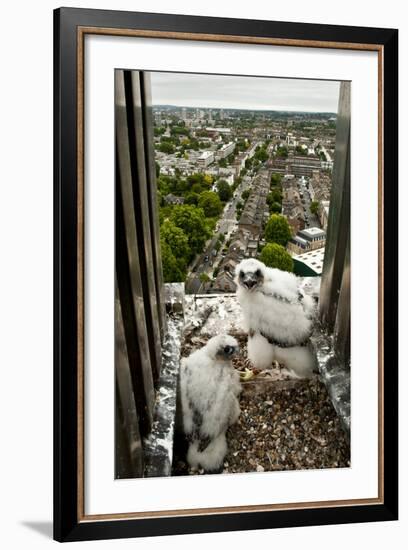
(225, 274)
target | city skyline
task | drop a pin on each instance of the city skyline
(246, 93)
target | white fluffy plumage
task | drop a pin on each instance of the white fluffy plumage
(278, 317)
(209, 390)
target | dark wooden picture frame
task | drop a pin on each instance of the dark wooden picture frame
(70, 28)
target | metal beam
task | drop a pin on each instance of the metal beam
(338, 230)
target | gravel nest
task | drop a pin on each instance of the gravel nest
(284, 424)
(282, 429)
(287, 429)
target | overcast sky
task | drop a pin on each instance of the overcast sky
(281, 94)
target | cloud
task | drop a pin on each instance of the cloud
(241, 92)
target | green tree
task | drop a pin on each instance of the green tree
(176, 239)
(167, 148)
(196, 188)
(192, 221)
(301, 150)
(208, 180)
(274, 255)
(195, 178)
(282, 151)
(210, 203)
(274, 196)
(245, 194)
(276, 179)
(191, 198)
(275, 208)
(171, 268)
(159, 130)
(181, 187)
(261, 155)
(248, 163)
(278, 230)
(179, 130)
(204, 278)
(314, 207)
(224, 190)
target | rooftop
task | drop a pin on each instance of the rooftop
(312, 259)
(312, 232)
(221, 130)
(205, 154)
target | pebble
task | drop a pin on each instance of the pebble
(283, 429)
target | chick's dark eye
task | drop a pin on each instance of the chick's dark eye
(228, 349)
(258, 272)
(241, 274)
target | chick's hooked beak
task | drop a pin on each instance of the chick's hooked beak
(250, 280)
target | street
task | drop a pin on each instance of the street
(226, 225)
(311, 220)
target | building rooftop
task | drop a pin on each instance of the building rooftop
(312, 232)
(221, 130)
(206, 154)
(312, 259)
(298, 239)
(226, 145)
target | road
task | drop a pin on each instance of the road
(226, 226)
(312, 220)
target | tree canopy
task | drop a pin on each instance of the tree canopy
(210, 203)
(175, 238)
(275, 208)
(278, 230)
(245, 194)
(274, 196)
(314, 207)
(224, 190)
(172, 272)
(274, 255)
(261, 154)
(192, 221)
(282, 151)
(204, 278)
(166, 147)
(276, 179)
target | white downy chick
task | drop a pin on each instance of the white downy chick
(209, 390)
(278, 317)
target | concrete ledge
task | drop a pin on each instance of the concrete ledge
(334, 374)
(158, 446)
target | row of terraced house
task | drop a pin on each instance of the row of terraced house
(245, 242)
